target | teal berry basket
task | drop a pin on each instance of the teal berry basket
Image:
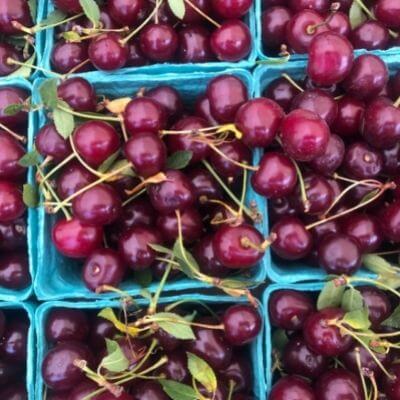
(158, 68)
(289, 272)
(19, 295)
(59, 277)
(255, 349)
(29, 309)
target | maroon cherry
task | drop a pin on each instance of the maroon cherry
(192, 16)
(122, 396)
(176, 367)
(230, 9)
(125, 12)
(391, 386)
(204, 185)
(14, 271)
(78, 93)
(76, 239)
(274, 21)
(168, 342)
(85, 388)
(135, 56)
(50, 143)
(13, 235)
(169, 98)
(194, 45)
(317, 5)
(280, 207)
(202, 110)
(17, 391)
(370, 35)
(350, 116)
(332, 159)
(146, 390)
(282, 92)
(391, 160)
(17, 11)
(6, 52)
(11, 203)
(240, 372)
(100, 329)
(339, 22)
(388, 12)
(8, 96)
(378, 304)
(69, 6)
(390, 221)
(66, 56)
(11, 152)
(13, 346)
(292, 387)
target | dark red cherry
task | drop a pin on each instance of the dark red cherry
(367, 78)
(291, 240)
(96, 141)
(134, 247)
(202, 109)
(11, 203)
(168, 342)
(76, 239)
(391, 160)
(144, 114)
(125, 12)
(6, 52)
(330, 59)
(11, 152)
(13, 235)
(176, 367)
(292, 387)
(273, 22)
(282, 92)
(66, 56)
(331, 160)
(339, 22)
(169, 98)
(58, 369)
(103, 267)
(378, 304)
(147, 390)
(159, 42)
(69, 6)
(276, 176)
(238, 247)
(317, 5)
(13, 346)
(175, 193)
(240, 372)
(9, 372)
(350, 116)
(107, 52)
(231, 41)
(64, 324)
(226, 94)
(100, 329)
(50, 143)
(370, 35)
(228, 9)
(17, 11)
(78, 93)
(147, 152)
(391, 386)
(194, 45)
(204, 185)
(14, 271)
(390, 221)
(135, 56)
(388, 12)
(259, 120)
(280, 207)
(242, 324)
(122, 396)
(304, 135)
(8, 96)
(338, 384)
(192, 16)
(16, 391)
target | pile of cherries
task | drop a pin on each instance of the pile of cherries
(133, 33)
(294, 23)
(219, 340)
(112, 219)
(14, 264)
(14, 326)
(316, 359)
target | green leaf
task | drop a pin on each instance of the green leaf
(91, 10)
(25, 70)
(330, 296)
(13, 109)
(54, 17)
(178, 391)
(393, 320)
(64, 121)
(179, 160)
(30, 159)
(202, 372)
(128, 171)
(352, 300)
(71, 36)
(109, 315)
(160, 249)
(146, 294)
(368, 196)
(106, 165)
(143, 278)
(30, 195)
(356, 15)
(48, 93)
(186, 261)
(116, 360)
(357, 319)
(33, 8)
(177, 7)
(238, 283)
(176, 325)
(378, 265)
(279, 340)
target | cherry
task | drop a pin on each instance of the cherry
(211, 346)
(259, 120)
(367, 78)
(291, 240)
(226, 93)
(78, 93)
(6, 52)
(280, 207)
(107, 52)
(191, 225)
(13, 345)
(304, 135)
(100, 330)
(339, 22)
(9, 372)
(242, 324)
(231, 41)
(317, 5)
(159, 42)
(378, 304)
(15, 392)
(331, 160)
(394, 86)
(370, 35)
(168, 342)
(147, 390)
(298, 359)
(13, 235)
(274, 21)
(66, 56)
(72, 178)
(64, 324)
(58, 369)
(390, 221)
(50, 143)
(204, 185)
(388, 12)
(330, 59)
(175, 193)
(192, 16)
(147, 152)
(391, 386)
(125, 12)
(238, 246)
(298, 29)
(11, 203)
(84, 389)
(11, 152)
(282, 92)
(176, 367)
(68, 6)
(202, 110)
(134, 247)
(8, 96)
(169, 98)
(122, 396)
(292, 387)
(103, 267)
(76, 239)
(345, 5)
(133, 349)
(391, 160)
(135, 56)
(228, 9)
(276, 176)
(144, 114)
(337, 384)
(239, 371)
(181, 142)
(14, 271)
(15, 11)
(350, 116)
(322, 336)
(194, 45)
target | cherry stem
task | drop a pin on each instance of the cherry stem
(170, 307)
(366, 182)
(242, 199)
(303, 191)
(56, 168)
(386, 253)
(39, 27)
(157, 178)
(374, 386)
(123, 127)
(20, 138)
(232, 385)
(358, 361)
(148, 319)
(397, 102)
(136, 195)
(374, 282)
(292, 82)
(11, 61)
(312, 28)
(238, 164)
(76, 68)
(203, 14)
(88, 116)
(153, 304)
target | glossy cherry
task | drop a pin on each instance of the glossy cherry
(13, 235)
(6, 52)
(66, 56)
(229, 9)
(378, 304)
(169, 98)
(176, 367)
(13, 346)
(15, 11)
(332, 158)
(274, 21)
(147, 390)
(292, 387)
(390, 221)
(135, 56)
(339, 22)
(282, 92)
(388, 12)
(11, 152)
(350, 116)
(194, 45)
(50, 143)
(100, 329)
(370, 35)
(78, 93)
(202, 109)
(124, 12)
(8, 96)
(68, 6)
(205, 186)
(14, 271)
(11, 203)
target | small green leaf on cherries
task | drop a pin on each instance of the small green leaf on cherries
(30, 159)
(48, 93)
(357, 319)
(352, 300)
(63, 120)
(115, 361)
(331, 295)
(177, 7)
(179, 160)
(202, 372)
(91, 10)
(393, 321)
(175, 325)
(177, 390)
(30, 195)
(13, 109)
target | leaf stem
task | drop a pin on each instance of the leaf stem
(203, 14)
(95, 116)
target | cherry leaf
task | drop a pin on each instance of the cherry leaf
(91, 10)
(357, 319)
(32, 4)
(177, 7)
(13, 109)
(186, 261)
(54, 17)
(393, 320)
(356, 15)
(106, 164)
(179, 160)
(202, 372)
(175, 325)
(115, 361)
(30, 159)
(64, 121)
(279, 340)
(378, 265)
(352, 300)
(143, 278)
(178, 391)
(109, 315)
(30, 195)
(48, 93)
(330, 296)
(25, 70)
(71, 36)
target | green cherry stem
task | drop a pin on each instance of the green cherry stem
(153, 304)
(303, 190)
(136, 195)
(362, 377)
(95, 116)
(57, 167)
(242, 199)
(11, 61)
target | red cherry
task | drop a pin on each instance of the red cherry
(282, 92)
(350, 116)
(11, 203)
(332, 159)
(17, 11)
(7, 51)
(390, 221)
(8, 96)
(317, 5)
(50, 143)
(370, 35)
(69, 6)
(194, 45)
(229, 9)
(11, 152)
(292, 387)
(78, 93)
(66, 56)
(125, 12)
(274, 21)
(339, 22)
(388, 12)
(169, 98)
